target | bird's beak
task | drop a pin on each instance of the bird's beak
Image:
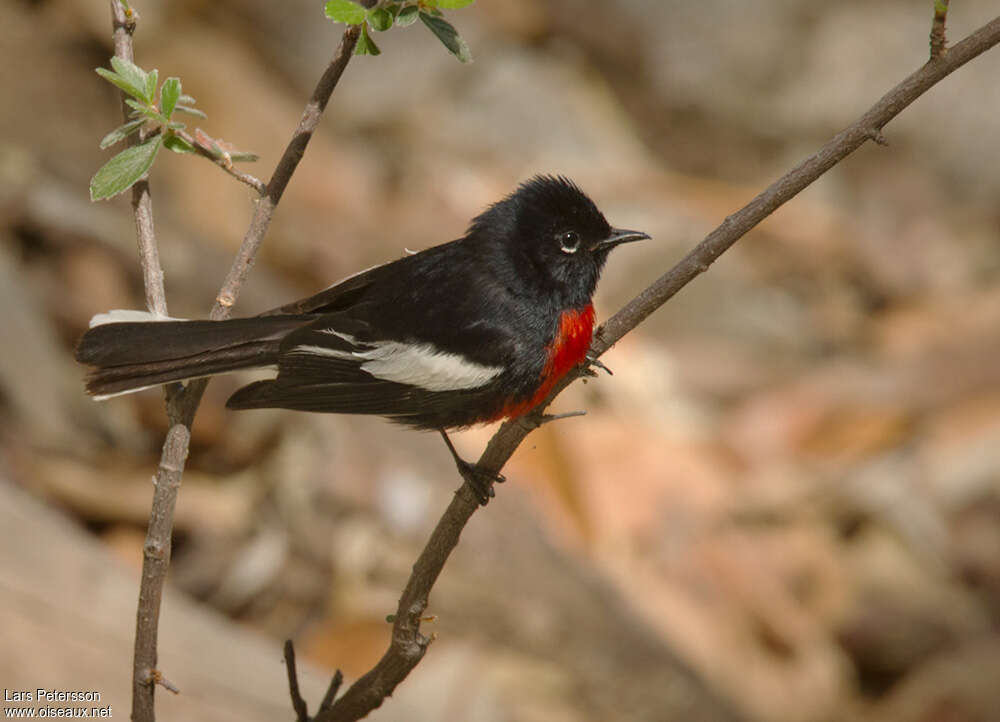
(619, 236)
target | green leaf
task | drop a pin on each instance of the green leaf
(407, 16)
(133, 76)
(152, 80)
(139, 106)
(345, 11)
(121, 83)
(177, 144)
(453, 4)
(190, 111)
(145, 110)
(366, 46)
(122, 171)
(448, 36)
(122, 132)
(241, 156)
(380, 18)
(186, 99)
(170, 93)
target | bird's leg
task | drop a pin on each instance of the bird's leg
(479, 480)
(534, 419)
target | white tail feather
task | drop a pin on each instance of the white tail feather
(124, 315)
(105, 397)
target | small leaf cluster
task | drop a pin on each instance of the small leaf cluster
(151, 113)
(386, 13)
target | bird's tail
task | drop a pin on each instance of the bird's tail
(134, 350)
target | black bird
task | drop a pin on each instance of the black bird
(470, 331)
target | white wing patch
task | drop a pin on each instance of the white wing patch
(420, 365)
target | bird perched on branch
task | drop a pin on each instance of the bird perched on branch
(471, 331)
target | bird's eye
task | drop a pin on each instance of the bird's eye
(569, 241)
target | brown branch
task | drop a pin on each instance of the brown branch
(156, 549)
(155, 560)
(264, 208)
(182, 402)
(938, 40)
(124, 22)
(299, 704)
(408, 645)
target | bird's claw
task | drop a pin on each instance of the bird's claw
(480, 480)
(595, 363)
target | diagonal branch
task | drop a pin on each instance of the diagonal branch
(408, 645)
(182, 404)
(264, 207)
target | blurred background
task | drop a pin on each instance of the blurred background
(783, 506)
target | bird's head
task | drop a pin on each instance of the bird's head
(554, 233)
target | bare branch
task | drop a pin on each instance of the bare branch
(183, 402)
(408, 645)
(298, 704)
(939, 43)
(124, 22)
(264, 208)
(156, 549)
(155, 560)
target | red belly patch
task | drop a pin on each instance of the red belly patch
(568, 348)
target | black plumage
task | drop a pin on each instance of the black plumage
(457, 334)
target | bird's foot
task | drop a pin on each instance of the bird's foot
(480, 480)
(592, 363)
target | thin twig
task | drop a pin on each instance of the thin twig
(208, 152)
(155, 560)
(298, 704)
(156, 549)
(183, 403)
(331, 693)
(264, 208)
(408, 645)
(124, 22)
(939, 42)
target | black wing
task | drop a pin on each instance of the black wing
(429, 340)
(350, 291)
(338, 365)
